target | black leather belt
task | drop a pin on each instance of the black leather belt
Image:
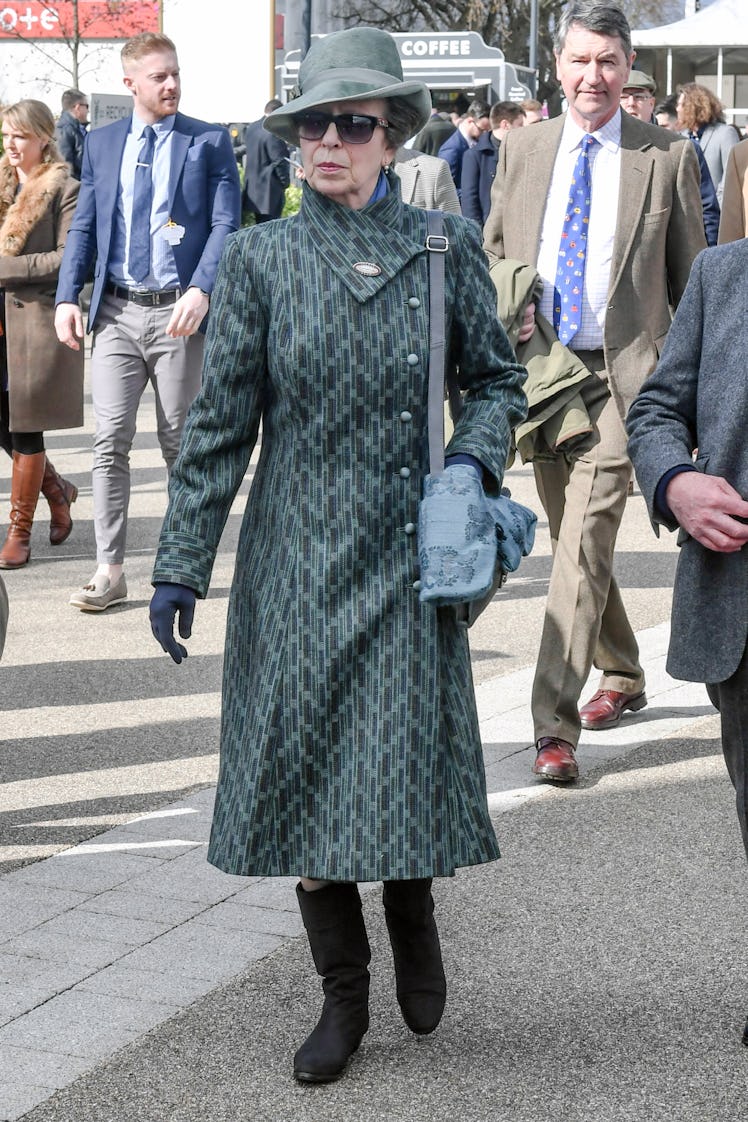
(145, 299)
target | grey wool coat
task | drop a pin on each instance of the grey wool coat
(350, 746)
(45, 378)
(697, 398)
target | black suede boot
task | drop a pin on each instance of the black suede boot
(421, 985)
(340, 949)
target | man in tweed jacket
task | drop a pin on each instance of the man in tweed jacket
(425, 181)
(645, 230)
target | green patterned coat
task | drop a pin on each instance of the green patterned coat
(350, 746)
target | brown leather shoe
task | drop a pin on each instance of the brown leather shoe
(606, 707)
(555, 760)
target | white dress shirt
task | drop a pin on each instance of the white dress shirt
(605, 169)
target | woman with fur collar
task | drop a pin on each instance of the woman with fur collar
(41, 382)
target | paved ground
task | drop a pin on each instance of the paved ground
(597, 972)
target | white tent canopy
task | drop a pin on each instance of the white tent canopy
(723, 24)
(711, 45)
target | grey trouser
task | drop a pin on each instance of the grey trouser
(731, 698)
(131, 349)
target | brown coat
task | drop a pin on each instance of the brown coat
(733, 224)
(45, 378)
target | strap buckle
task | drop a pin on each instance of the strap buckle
(437, 243)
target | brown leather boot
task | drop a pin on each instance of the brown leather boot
(59, 493)
(26, 483)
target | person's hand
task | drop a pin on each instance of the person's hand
(528, 324)
(189, 312)
(708, 509)
(69, 325)
(167, 601)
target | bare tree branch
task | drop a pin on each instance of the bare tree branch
(73, 22)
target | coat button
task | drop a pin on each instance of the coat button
(414, 302)
(404, 473)
(412, 360)
(405, 416)
(410, 527)
(416, 586)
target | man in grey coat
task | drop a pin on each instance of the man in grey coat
(687, 443)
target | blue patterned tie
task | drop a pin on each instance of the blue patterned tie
(139, 258)
(572, 254)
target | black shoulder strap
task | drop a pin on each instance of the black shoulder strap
(437, 244)
(442, 375)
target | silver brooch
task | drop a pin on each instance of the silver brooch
(367, 269)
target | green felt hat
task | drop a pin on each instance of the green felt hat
(352, 65)
(638, 80)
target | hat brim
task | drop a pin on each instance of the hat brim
(331, 90)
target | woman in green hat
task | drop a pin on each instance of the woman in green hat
(350, 748)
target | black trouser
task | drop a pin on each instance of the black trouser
(731, 699)
(27, 443)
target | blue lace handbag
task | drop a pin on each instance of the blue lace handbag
(467, 540)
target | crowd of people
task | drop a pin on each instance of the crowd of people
(350, 747)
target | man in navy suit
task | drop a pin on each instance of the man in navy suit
(159, 194)
(479, 163)
(475, 122)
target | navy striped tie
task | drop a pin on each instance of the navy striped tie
(139, 258)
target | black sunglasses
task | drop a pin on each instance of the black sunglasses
(352, 128)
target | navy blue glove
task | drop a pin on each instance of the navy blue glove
(167, 601)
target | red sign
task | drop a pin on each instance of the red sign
(97, 19)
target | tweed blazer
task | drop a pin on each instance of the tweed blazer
(658, 234)
(425, 181)
(697, 398)
(733, 223)
(350, 746)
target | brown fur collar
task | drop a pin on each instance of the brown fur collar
(19, 213)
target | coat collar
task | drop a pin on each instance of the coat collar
(20, 212)
(374, 236)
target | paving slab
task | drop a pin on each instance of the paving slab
(597, 973)
(173, 928)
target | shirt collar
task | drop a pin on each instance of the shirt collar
(609, 136)
(380, 190)
(161, 128)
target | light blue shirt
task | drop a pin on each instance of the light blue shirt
(163, 272)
